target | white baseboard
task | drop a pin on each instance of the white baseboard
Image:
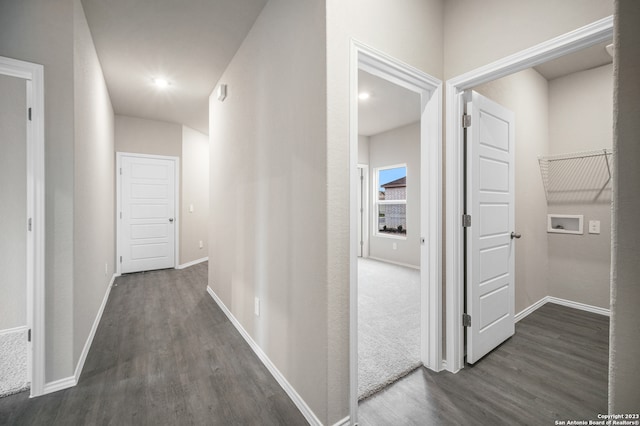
(343, 422)
(94, 328)
(295, 397)
(58, 385)
(71, 381)
(564, 302)
(20, 329)
(406, 265)
(194, 262)
(526, 311)
(581, 306)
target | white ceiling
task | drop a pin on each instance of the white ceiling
(390, 106)
(582, 60)
(189, 42)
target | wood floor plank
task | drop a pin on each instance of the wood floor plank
(163, 354)
(553, 368)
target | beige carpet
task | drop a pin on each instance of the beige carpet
(388, 324)
(13, 363)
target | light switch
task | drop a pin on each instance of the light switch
(594, 226)
(190, 208)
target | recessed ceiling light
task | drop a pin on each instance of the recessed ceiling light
(363, 96)
(160, 82)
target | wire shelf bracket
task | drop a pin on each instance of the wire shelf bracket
(581, 177)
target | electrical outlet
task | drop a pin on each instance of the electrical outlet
(594, 226)
(201, 244)
(256, 307)
(395, 246)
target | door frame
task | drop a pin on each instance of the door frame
(366, 231)
(589, 35)
(35, 278)
(176, 161)
(368, 59)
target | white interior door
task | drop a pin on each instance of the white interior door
(489, 243)
(148, 220)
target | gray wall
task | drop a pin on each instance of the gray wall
(13, 208)
(526, 94)
(502, 27)
(397, 146)
(624, 368)
(41, 31)
(268, 164)
(194, 226)
(580, 265)
(94, 230)
(144, 136)
(363, 149)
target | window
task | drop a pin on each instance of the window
(391, 201)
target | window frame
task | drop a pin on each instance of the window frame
(377, 202)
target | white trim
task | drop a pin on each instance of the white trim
(528, 311)
(581, 306)
(282, 381)
(365, 58)
(94, 328)
(58, 385)
(573, 41)
(176, 160)
(564, 302)
(35, 279)
(366, 231)
(20, 329)
(193, 262)
(343, 422)
(406, 265)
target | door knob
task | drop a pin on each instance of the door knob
(171, 220)
(515, 235)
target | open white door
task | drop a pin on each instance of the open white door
(489, 238)
(147, 209)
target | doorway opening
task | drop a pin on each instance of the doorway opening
(486, 81)
(22, 249)
(395, 219)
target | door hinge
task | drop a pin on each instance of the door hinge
(30, 224)
(120, 215)
(466, 121)
(29, 335)
(29, 114)
(120, 259)
(120, 170)
(466, 320)
(466, 220)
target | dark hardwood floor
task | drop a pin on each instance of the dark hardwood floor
(164, 354)
(553, 368)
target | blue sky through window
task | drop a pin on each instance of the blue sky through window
(388, 175)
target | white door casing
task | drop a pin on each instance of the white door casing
(381, 65)
(147, 212)
(33, 74)
(363, 211)
(489, 245)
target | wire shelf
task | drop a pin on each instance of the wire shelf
(582, 177)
